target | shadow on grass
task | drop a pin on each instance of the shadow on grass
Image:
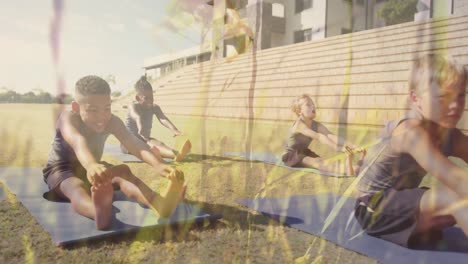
(204, 157)
(233, 217)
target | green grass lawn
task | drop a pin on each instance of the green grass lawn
(214, 183)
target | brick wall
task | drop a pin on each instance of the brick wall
(357, 80)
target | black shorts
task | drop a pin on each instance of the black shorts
(293, 158)
(55, 173)
(390, 214)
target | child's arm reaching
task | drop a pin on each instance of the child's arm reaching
(410, 137)
(137, 117)
(460, 149)
(96, 172)
(139, 148)
(339, 144)
(164, 120)
(302, 128)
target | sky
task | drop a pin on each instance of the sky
(105, 37)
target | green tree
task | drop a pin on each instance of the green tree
(44, 98)
(398, 11)
(63, 98)
(28, 97)
(116, 94)
(110, 79)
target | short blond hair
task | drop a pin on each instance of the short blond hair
(436, 68)
(296, 103)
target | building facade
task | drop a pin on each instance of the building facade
(238, 25)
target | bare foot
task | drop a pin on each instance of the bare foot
(171, 197)
(363, 155)
(184, 150)
(357, 168)
(349, 164)
(102, 199)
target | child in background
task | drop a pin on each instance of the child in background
(392, 205)
(139, 122)
(304, 130)
(74, 170)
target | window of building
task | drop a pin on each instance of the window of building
(302, 5)
(303, 35)
(277, 10)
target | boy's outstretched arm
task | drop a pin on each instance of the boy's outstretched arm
(322, 138)
(339, 144)
(460, 148)
(96, 172)
(138, 147)
(410, 138)
(164, 120)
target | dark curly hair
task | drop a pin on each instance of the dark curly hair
(91, 85)
(143, 85)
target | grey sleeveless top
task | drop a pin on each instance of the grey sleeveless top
(299, 142)
(392, 169)
(62, 152)
(146, 120)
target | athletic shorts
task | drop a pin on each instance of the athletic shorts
(55, 173)
(390, 214)
(293, 158)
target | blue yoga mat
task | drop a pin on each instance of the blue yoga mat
(115, 151)
(67, 227)
(308, 213)
(274, 159)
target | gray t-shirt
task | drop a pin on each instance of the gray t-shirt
(146, 115)
(392, 169)
(62, 152)
(299, 142)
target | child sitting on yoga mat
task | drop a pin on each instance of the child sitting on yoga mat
(304, 130)
(139, 122)
(74, 170)
(392, 205)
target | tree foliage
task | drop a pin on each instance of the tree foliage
(398, 11)
(9, 96)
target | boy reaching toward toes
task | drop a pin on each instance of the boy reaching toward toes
(139, 122)
(74, 170)
(304, 130)
(391, 203)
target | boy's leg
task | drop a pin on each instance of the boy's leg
(135, 188)
(350, 169)
(164, 150)
(440, 207)
(98, 206)
(357, 167)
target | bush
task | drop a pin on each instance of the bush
(398, 11)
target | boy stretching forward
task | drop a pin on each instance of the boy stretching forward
(139, 122)
(391, 204)
(74, 170)
(304, 130)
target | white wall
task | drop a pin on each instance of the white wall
(338, 17)
(277, 40)
(311, 18)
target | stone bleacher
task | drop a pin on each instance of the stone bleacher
(356, 80)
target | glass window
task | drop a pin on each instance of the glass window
(302, 5)
(303, 35)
